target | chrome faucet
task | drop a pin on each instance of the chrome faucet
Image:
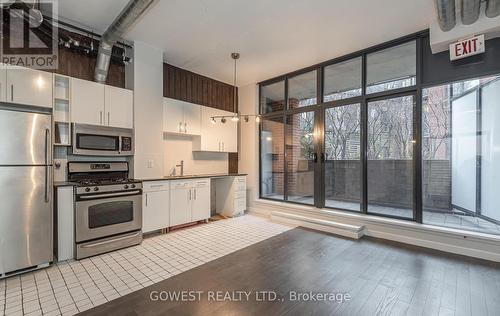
(181, 165)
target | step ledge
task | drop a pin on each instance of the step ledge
(346, 230)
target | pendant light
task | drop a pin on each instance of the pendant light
(235, 117)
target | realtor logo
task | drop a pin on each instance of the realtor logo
(28, 39)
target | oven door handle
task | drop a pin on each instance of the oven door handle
(100, 243)
(94, 196)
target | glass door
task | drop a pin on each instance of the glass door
(390, 156)
(342, 164)
(301, 157)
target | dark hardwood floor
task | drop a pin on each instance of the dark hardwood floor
(381, 277)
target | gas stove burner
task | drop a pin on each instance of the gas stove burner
(89, 182)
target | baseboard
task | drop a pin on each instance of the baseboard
(472, 244)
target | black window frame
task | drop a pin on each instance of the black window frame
(457, 71)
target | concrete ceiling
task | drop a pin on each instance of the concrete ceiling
(273, 37)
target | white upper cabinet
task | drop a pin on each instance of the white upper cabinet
(218, 137)
(192, 118)
(119, 107)
(173, 116)
(98, 104)
(87, 102)
(27, 86)
(181, 117)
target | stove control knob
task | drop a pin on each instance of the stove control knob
(96, 189)
(87, 189)
(126, 186)
(132, 186)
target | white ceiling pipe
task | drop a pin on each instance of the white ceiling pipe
(123, 21)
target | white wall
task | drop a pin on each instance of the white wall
(248, 97)
(148, 111)
(177, 148)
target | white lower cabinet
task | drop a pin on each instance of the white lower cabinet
(155, 206)
(200, 208)
(189, 201)
(180, 202)
(231, 195)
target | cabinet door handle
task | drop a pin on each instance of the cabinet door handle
(146, 199)
(195, 193)
(222, 146)
(180, 126)
(185, 127)
(12, 92)
(108, 118)
(189, 195)
(100, 117)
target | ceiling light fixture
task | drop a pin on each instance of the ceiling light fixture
(235, 117)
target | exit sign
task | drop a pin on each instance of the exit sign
(468, 47)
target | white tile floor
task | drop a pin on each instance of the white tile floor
(74, 286)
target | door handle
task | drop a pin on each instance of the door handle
(12, 92)
(110, 241)
(108, 118)
(189, 195)
(146, 199)
(100, 117)
(323, 157)
(315, 157)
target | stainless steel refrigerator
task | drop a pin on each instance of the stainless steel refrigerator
(26, 216)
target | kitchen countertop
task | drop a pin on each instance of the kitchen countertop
(196, 176)
(186, 177)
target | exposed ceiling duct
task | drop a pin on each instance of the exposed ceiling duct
(470, 11)
(446, 14)
(132, 11)
(492, 8)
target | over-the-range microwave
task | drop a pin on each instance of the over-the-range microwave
(93, 140)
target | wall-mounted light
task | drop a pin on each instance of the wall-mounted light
(223, 120)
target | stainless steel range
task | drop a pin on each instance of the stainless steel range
(108, 212)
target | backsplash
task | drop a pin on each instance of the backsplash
(179, 148)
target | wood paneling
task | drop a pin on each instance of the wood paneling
(232, 160)
(79, 65)
(188, 86)
(76, 63)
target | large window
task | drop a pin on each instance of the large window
(272, 97)
(460, 155)
(302, 90)
(384, 139)
(390, 157)
(343, 157)
(342, 80)
(391, 68)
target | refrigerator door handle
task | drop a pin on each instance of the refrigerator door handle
(47, 158)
